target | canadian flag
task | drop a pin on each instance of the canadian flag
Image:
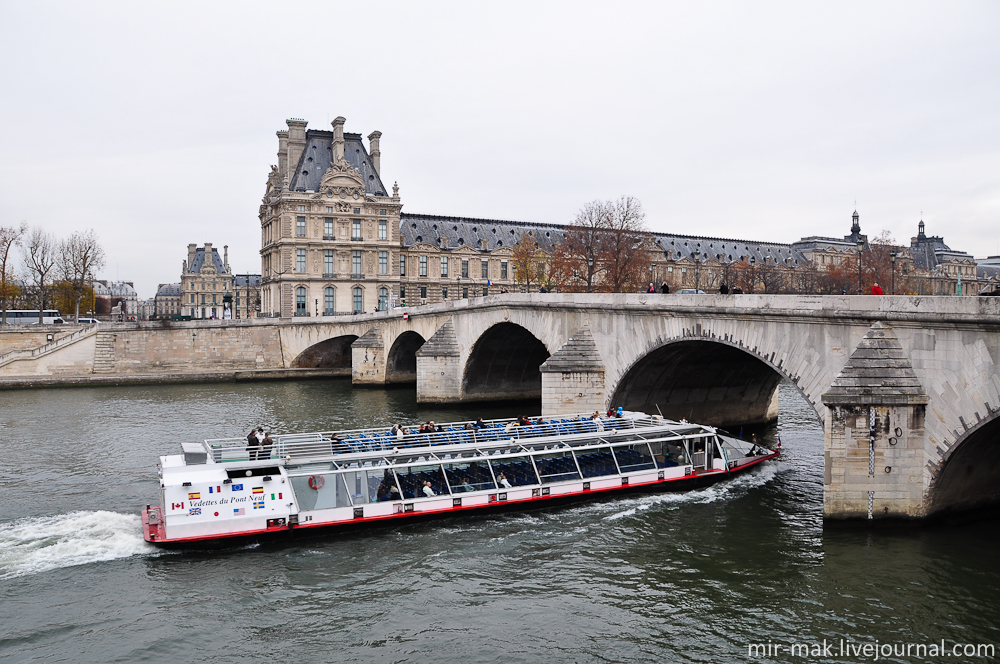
(176, 506)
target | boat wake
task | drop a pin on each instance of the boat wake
(39, 544)
(710, 494)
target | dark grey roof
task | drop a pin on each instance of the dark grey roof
(482, 234)
(199, 260)
(929, 251)
(166, 290)
(318, 154)
(726, 250)
(489, 234)
(240, 280)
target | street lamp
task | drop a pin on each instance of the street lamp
(892, 257)
(753, 280)
(590, 274)
(861, 248)
(697, 265)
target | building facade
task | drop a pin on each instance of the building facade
(118, 292)
(167, 301)
(205, 281)
(334, 241)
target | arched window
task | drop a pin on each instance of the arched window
(300, 301)
(328, 301)
(383, 299)
(357, 300)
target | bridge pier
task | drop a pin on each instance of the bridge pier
(368, 359)
(874, 456)
(573, 378)
(439, 371)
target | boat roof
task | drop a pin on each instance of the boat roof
(377, 445)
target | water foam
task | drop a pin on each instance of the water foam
(723, 490)
(40, 544)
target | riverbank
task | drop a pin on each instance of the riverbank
(237, 376)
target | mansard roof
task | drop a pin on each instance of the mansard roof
(240, 280)
(482, 234)
(199, 261)
(168, 290)
(492, 234)
(929, 251)
(318, 154)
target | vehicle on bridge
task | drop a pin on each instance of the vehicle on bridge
(30, 317)
(220, 492)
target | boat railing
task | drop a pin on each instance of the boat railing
(326, 443)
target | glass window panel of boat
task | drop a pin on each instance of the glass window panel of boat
(469, 476)
(556, 467)
(320, 491)
(412, 479)
(633, 457)
(515, 470)
(668, 453)
(365, 485)
(697, 447)
(596, 462)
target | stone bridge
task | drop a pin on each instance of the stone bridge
(907, 387)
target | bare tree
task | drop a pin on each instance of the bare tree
(40, 255)
(528, 261)
(79, 257)
(582, 248)
(10, 237)
(627, 255)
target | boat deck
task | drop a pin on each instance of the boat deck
(324, 445)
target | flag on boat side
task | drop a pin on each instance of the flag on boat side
(239, 511)
(258, 504)
(194, 511)
(237, 487)
(194, 496)
(258, 489)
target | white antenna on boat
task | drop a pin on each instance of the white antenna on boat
(658, 409)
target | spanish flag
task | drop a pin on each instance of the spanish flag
(194, 496)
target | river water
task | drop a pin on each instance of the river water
(692, 577)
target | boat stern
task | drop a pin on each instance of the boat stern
(152, 525)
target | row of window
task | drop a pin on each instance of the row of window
(484, 267)
(383, 264)
(329, 210)
(357, 298)
(328, 232)
(329, 300)
(194, 285)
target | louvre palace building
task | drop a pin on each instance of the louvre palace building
(335, 240)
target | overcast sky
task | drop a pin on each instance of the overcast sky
(154, 124)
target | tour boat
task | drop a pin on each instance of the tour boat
(222, 491)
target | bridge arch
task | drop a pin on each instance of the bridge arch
(503, 364)
(401, 360)
(333, 353)
(707, 380)
(969, 478)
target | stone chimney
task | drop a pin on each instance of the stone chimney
(296, 141)
(373, 150)
(192, 250)
(225, 256)
(338, 138)
(282, 153)
(208, 255)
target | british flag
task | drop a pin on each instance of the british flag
(194, 511)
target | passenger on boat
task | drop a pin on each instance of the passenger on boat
(337, 446)
(428, 491)
(266, 445)
(504, 482)
(479, 423)
(466, 486)
(398, 431)
(254, 441)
